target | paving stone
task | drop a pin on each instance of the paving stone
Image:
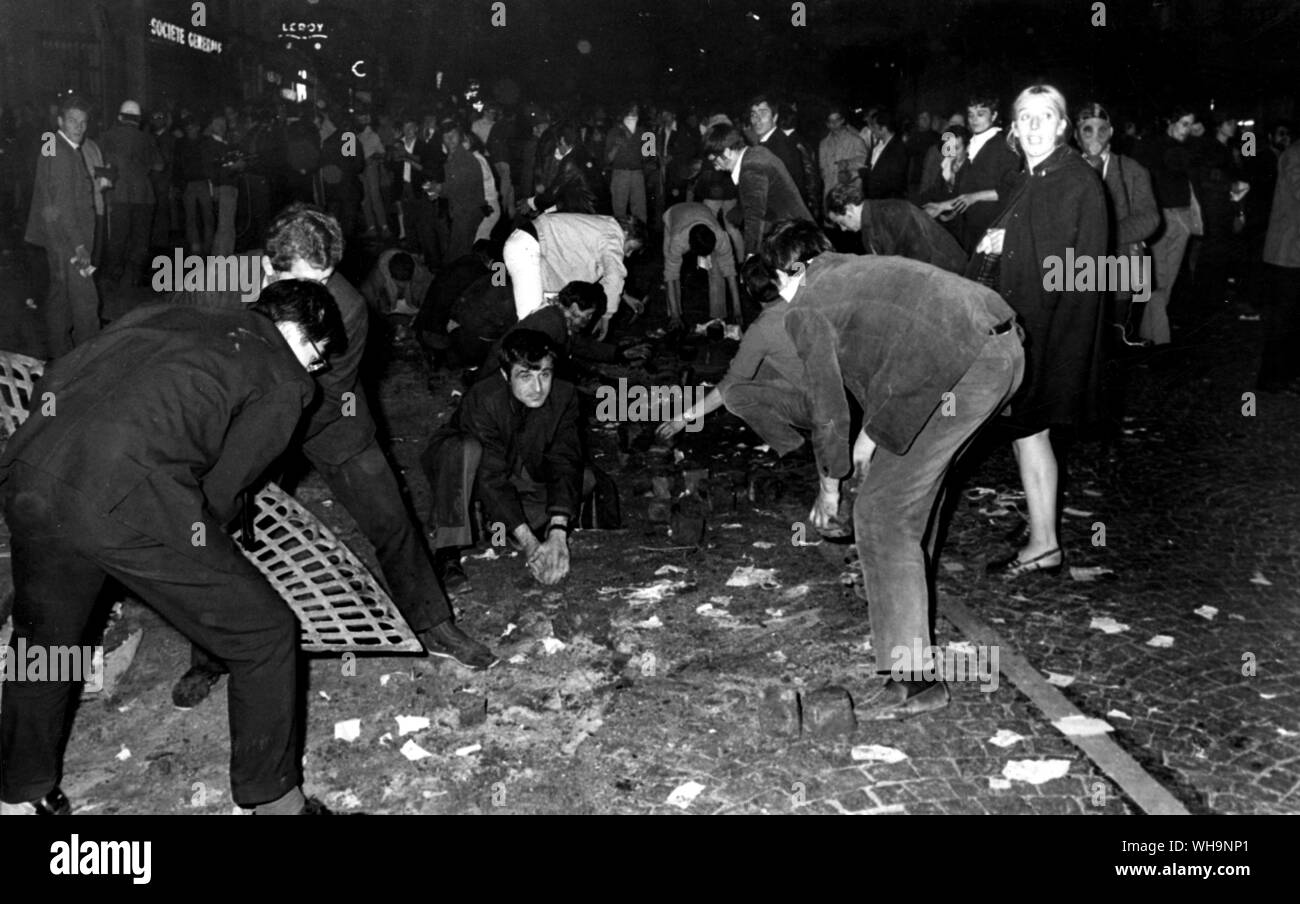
(828, 712)
(779, 712)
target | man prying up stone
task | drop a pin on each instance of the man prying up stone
(515, 442)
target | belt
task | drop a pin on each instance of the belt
(1003, 328)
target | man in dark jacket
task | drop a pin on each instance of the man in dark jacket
(130, 205)
(134, 480)
(892, 226)
(62, 221)
(886, 173)
(514, 442)
(767, 192)
(765, 119)
(929, 358)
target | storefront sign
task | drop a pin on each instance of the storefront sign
(303, 31)
(178, 35)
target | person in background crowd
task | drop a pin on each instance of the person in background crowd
(1058, 208)
(1170, 162)
(572, 185)
(397, 284)
(940, 181)
(372, 199)
(163, 180)
(886, 173)
(623, 156)
(463, 189)
(764, 119)
(1220, 189)
(692, 228)
(136, 158)
(716, 190)
(491, 197)
(1134, 217)
(1279, 369)
(842, 152)
(808, 178)
(919, 142)
(62, 221)
(224, 165)
(992, 164)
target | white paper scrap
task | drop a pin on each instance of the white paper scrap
(1035, 772)
(877, 753)
(1090, 573)
(552, 645)
(1163, 641)
(124, 754)
(1118, 714)
(347, 730)
(1005, 738)
(1059, 680)
(999, 784)
(1261, 580)
(749, 576)
(1108, 625)
(408, 724)
(763, 544)
(651, 622)
(1206, 612)
(466, 751)
(684, 795)
(669, 569)
(413, 751)
(1082, 726)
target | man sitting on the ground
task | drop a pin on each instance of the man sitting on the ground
(893, 226)
(397, 284)
(515, 444)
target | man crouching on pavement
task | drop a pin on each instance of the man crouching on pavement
(514, 442)
(162, 421)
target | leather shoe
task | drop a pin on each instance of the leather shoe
(53, 804)
(905, 699)
(451, 572)
(1013, 566)
(194, 686)
(448, 641)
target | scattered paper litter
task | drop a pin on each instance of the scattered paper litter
(385, 739)
(1108, 625)
(797, 592)
(413, 751)
(1236, 617)
(999, 784)
(684, 795)
(877, 753)
(763, 544)
(1118, 714)
(776, 613)
(1206, 612)
(1005, 738)
(517, 659)
(1088, 574)
(1059, 680)
(1076, 513)
(749, 576)
(510, 629)
(1264, 696)
(552, 645)
(669, 569)
(466, 751)
(410, 724)
(347, 730)
(763, 448)
(124, 754)
(964, 647)
(708, 610)
(1082, 726)
(489, 553)
(324, 696)
(732, 526)
(651, 622)
(1035, 772)
(720, 600)
(384, 679)
(953, 566)
(1261, 580)
(654, 593)
(1287, 733)
(1163, 641)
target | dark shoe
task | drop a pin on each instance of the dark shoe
(194, 686)
(53, 804)
(448, 641)
(1013, 567)
(905, 699)
(314, 807)
(446, 564)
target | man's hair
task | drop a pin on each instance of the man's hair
(568, 133)
(887, 119)
(702, 240)
(308, 304)
(840, 198)
(587, 296)
(981, 99)
(74, 102)
(633, 230)
(765, 99)
(401, 266)
(723, 138)
(1091, 110)
(304, 231)
(793, 242)
(529, 348)
(1178, 111)
(759, 281)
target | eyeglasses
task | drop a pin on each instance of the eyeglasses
(320, 363)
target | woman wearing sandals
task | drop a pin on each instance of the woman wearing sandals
(1055, 217)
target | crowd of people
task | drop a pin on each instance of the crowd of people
(897, 272)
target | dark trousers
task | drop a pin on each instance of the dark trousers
(775, 410)
(62, 552)
(128, 244)
(897, 510)
(1280, 304)
(451, 465)
(425, 225)
(72, 304)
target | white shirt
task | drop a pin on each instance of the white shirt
(878, 149)
(978, 141)
(69, 140)
(735, 170)
(406, 167)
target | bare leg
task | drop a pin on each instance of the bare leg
(1038, 474)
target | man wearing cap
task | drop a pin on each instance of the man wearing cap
(130, 206)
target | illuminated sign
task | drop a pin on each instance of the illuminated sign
(303, 31)
(177, 35)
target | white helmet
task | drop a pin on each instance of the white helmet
(129, 108)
